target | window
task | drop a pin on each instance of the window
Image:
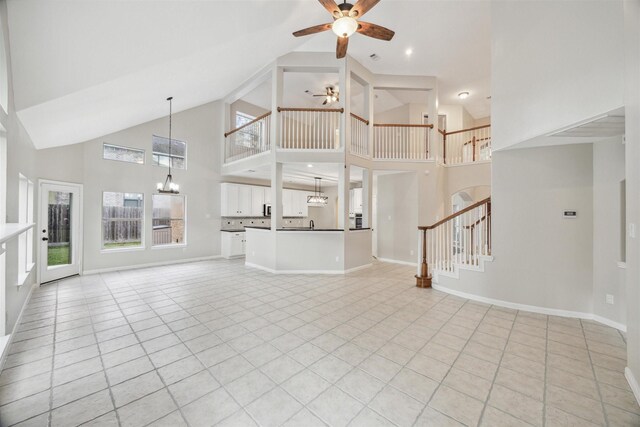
(248, 136)
(122, 154)
(122, 220)
(168, 220)
(25, 216)
(163, 154)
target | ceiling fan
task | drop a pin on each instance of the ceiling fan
(345, 23)
(331, 95)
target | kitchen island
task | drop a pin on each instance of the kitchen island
(306, 250)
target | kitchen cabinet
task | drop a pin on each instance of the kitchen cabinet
(235, 200)
(355, 202)
(295, 203)
(241, 200)
(257, 200)
(233, 244)
(247, 201)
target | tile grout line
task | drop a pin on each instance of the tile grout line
(595, 378)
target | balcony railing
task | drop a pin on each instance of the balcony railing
(249, 139)
(310, 128)
(401, 142)
(467, 145)
(359, 136)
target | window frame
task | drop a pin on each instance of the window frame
(25, 239)
(141, 150)
(172, 156)
(184, 221)
(142, 246)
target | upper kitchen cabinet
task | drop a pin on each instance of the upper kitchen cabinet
(355, 202)
(235, 200)
(258, 200)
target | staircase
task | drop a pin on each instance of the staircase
(460, 241)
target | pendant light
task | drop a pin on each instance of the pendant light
(317, 199)
(169, 186)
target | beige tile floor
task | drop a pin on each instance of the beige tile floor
(215, 343)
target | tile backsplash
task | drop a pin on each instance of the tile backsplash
(237, 223)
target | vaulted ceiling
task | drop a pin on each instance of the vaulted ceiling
(83, 69)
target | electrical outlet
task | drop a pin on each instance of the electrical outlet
(609, 299)
(411, 252)
(632, 231)
(337, 259)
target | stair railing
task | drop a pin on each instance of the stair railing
(466, 145)
(461, 238)
(249, 139)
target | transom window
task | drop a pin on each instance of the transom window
(163, 155)
(122, 154)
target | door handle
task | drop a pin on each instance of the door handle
(45, 239)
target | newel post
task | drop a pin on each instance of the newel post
(473, 142)
(423, 279)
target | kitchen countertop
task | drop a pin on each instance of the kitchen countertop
(304, 228)
(239, 230)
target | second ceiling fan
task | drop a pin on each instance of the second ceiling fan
(345, 23)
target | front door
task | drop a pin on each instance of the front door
(59, 231)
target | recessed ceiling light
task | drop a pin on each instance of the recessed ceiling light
(463, 95)
(309, 165)
(408, 52)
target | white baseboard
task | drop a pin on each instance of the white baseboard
(395, 261)
(531, 308)
(6, 341)
(633, 383)
(151, 264)
(272, 271)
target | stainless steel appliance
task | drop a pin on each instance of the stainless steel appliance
(266, 210)
(358, 220)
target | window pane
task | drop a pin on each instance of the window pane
(162, 153)
(168, 220)
(122, 220)
(59, 251)
(123, 154)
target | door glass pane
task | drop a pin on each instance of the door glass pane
(59, 227)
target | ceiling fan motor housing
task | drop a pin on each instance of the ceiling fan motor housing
(345, 7)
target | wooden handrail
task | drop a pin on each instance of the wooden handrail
(327, 110)
(475, 223)
(389, 125)
(467, 130)
(355, 116)
(450, 217)
(442, 132)
(226, 134)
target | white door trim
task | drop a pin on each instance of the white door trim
(80, 241)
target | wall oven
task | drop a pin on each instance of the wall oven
(358, 220)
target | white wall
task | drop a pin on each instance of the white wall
(201, 130)
(397, 216)
(20, 160)
(608, 277)
(541, 259)
(457, 117)
(632, 159)
(554, 63)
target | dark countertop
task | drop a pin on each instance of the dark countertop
(298, 229)
(309, 229)
(239, 230)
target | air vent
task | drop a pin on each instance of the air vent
(601, 127)
(374, 57)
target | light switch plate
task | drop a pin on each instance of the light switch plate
(609, 299)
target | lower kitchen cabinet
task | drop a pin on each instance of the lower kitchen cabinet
(233, 244)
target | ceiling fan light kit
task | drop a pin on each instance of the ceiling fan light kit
(346, 24)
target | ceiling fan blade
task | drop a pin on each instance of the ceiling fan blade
(375, 31)
(341, 48)
(331, 7)
(312, 30)
(362, 7)
(319, 95)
